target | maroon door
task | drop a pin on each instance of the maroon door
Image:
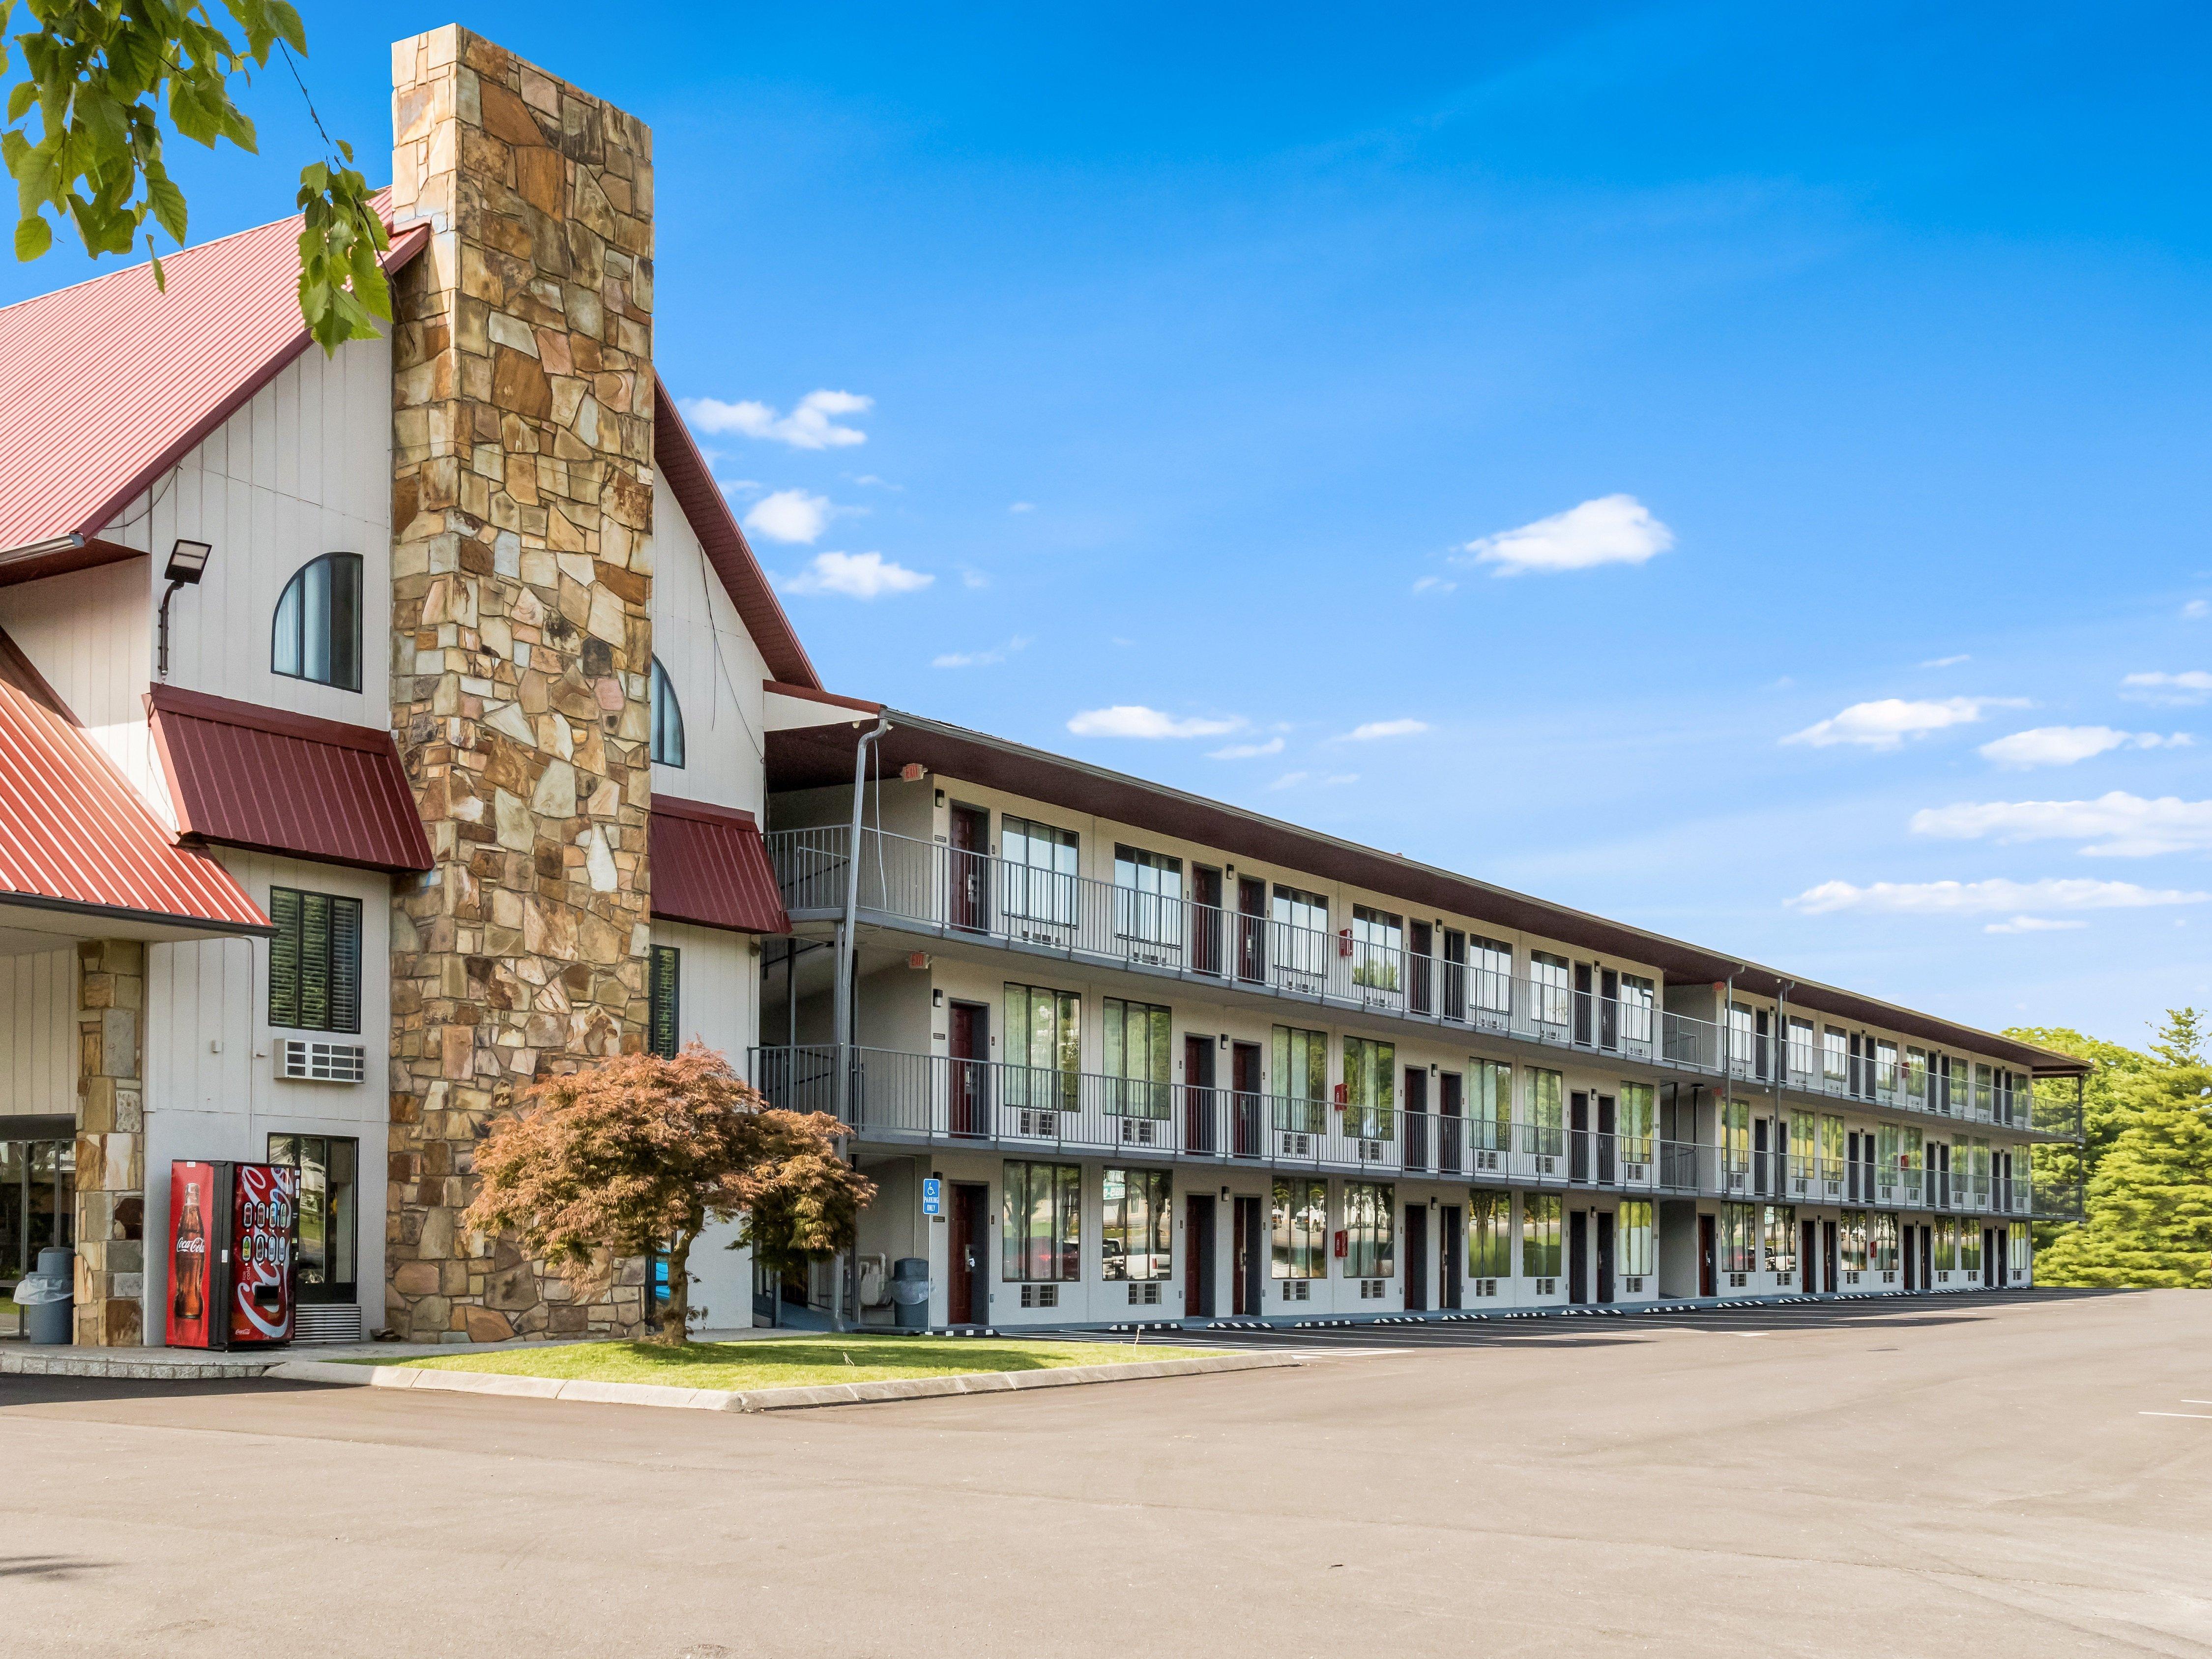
(1809, 1246)
(967, 1044)
(1251, 928)
(1198, 1256)
(963, 1294)
(1201, 1113)
(1420, 986)
(1707, 1267)
(971, 874)
(1206, 920)
(1247, 1132)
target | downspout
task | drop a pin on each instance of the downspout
(846, 927)
(847, 949)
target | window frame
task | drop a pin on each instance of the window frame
(336, 992)
(1371, 1232)
(1058, 1248)
(1539, 1235)
(289, 1151)
(664, 980)
(1144, 1210)
(1489, 1233)
(1298, 1113)
(1137, 1094)
(1297, 1228)
(294, 594)
(1024, 1075)
(664, 709)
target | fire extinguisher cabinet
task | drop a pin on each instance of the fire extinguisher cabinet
(234, 1231)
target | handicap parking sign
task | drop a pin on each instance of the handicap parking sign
(933, 1196)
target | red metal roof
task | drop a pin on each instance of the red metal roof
(75, 836)
(115, 380)
(710, 867)
(703, 503)
(250, 776)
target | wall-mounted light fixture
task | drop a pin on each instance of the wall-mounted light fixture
(1224, 1042)
(941, 800)
(187, 564)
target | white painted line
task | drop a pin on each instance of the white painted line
(2201, 1417)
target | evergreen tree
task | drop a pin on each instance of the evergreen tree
(2149, 1209)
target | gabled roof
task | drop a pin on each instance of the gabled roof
(111, 382)
(75, 838)
(277, 782)
(727, 550)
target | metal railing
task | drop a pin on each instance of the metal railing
(904, 1099)
(959, 893)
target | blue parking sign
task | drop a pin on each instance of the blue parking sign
(933, 1196)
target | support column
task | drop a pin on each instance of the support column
(111, 1143)
(522, 573)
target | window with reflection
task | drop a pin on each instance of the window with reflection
(667, 720)
(1137, 1232)
(316, 634)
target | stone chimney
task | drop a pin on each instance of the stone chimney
(522, 643)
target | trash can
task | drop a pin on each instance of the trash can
(910, 1292)
(48, 1297)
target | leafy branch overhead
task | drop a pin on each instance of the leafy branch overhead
(85, 125)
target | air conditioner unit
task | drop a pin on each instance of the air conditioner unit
(1039, 1295)
(1547, 1287)
(1635, 1174)
(1486, 1287)
(1045, 1124)
(1633, 1284)
(1485, 1160)
(1546, 1165)
(1371, 1288)
(301, 1060)
(1294, 1146)
(1298, 1290)
(1140, 1132)
(1146, 1295)
(1370, 1152)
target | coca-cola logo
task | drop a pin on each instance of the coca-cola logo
(189, 1246)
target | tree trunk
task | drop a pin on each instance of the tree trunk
(675, 1328)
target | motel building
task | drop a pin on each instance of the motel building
(380, 732)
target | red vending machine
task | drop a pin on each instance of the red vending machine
(232, 1232)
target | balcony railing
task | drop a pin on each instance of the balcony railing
(960, 894)
(903, 1099)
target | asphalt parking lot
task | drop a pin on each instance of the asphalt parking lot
(2022, 1474)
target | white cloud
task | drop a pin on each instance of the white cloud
(1947, 661)
(1968, 898)
(2117, 826)
(1341, 778)
(1135, 719)
(1609, 530)
(2191, 685)
(811, 425)
(1021, 507)
(2032, 925)
(996, 653)
(1886, 723)
(1247, 751)
(2061, 745)
(856, 576)
(1435, 584)
(790, 516)
(2197, 609)
(1290, 780)
(971, 577)
(1375, 729)
(874, 483)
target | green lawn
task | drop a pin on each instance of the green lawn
(791, 1362)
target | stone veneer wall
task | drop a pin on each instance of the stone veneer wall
(522, 575)
(111, 1143)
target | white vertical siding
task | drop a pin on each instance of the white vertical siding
(38, 1033)
(718, 1001)
(712, 663)
(211, 1088)
(90, 633)
(303, 469)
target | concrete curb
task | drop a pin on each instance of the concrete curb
(759, 1400)
(86, 1363)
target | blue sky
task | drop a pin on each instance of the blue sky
(1855, 357)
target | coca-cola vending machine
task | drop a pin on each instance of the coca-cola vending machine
(232, 1240)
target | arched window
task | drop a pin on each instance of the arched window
(317, 635)
(667, 720)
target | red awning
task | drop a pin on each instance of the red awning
(75, 838)
(250, 776)
(710, 867)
